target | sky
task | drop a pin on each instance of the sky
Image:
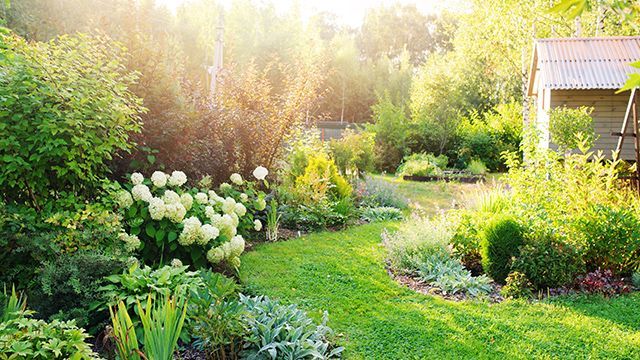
(350, 12)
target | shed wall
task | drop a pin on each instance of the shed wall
(608, 113)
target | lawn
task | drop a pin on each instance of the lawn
(376, 318)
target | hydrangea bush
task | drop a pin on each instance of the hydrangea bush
(166, 219)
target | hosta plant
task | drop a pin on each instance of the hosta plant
(165, 219)
(382, 213)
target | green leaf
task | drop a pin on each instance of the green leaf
(160, 235)
(172, 236)
(150, 230)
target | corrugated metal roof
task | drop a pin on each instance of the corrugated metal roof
(585, 63)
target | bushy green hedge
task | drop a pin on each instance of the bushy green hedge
(501, 239)
(66, 110)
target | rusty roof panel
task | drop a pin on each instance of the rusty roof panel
(587, 63)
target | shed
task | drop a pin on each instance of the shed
(576, 72)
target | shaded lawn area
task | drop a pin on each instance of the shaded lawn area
(375, 318)
(437, 195)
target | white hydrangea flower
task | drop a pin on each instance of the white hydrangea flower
(261, 204)
(227, 225)
(235, 262)
(229, 205)
(141, 192)
(235, 219)
(190, 232)
(131, 242)
(186, 200)
(202, 198)
(215, 255)
(244, 197)
(209, 212)
(225, 187)
(137, 178)
(159, 179)
(236, 246)
(178, 178)
(260, 172)
(209, 232)
(257, 225)
(236, 178)
(240, 209)
(124, 199)
(156, 208)
(171, 197)
(175, 212)
(176, 263)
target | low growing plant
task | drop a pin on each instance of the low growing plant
(382, 213)
(451, 277)
(218, 317)
(418, 238)
(278, 331)
(602, 282)
(517, 286)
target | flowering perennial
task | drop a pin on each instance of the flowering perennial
(182, 223)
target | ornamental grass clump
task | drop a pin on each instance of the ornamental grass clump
(166, 219)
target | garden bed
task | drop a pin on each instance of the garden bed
(423, 287)
(447, 177)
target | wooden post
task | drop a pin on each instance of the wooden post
(637, 139)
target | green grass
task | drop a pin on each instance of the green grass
(343, 273)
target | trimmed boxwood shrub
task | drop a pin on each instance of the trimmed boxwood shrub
(500, 241)
(549, 262)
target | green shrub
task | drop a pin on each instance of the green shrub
(30, 238)
(279, 331)
(500, 241)
(517, 286)
(570, 128)
(610, 238)
(390, 127)
(27, 338)
(381, 214)
(486, 137)
(548, 262)
(165, 219)
(374, 192)
(476, 167)
(75, 92)
(422, 165)
(465, 241)
(68, 285)
(354, 152)
(321, 180)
